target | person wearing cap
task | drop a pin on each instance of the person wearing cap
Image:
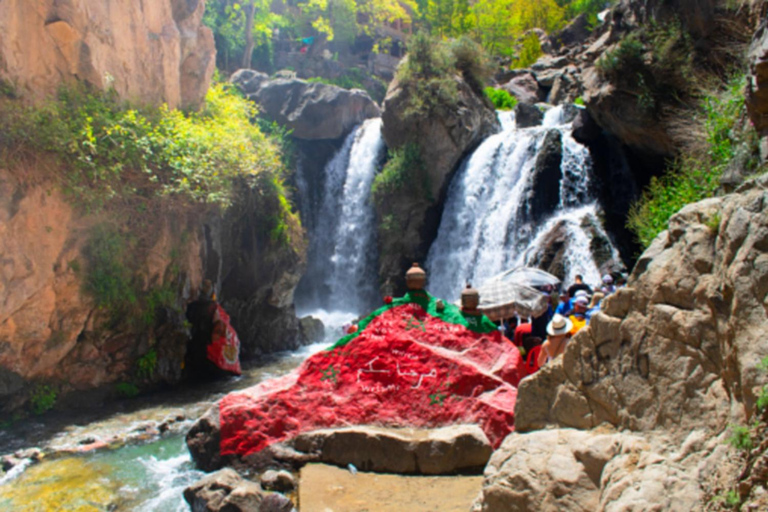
(578, 315)
(558, 333)
(565, 304)
(608, 287)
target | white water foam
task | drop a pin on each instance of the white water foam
(484, 229)
(341, 267)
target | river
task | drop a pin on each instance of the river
(142, 463)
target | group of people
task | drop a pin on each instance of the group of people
(546, 336)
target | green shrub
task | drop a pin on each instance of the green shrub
(109, 278)
(428, 76)
(43, 398)
(729, 141)
(627, 56)
(472, 61)
(146, 365)
(579, 101)
(740, 438)
(530, 51)
(112, 151)
(500, 98)
(404, 173)
(127, 389)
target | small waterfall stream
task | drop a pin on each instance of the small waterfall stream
(486, 226)
(341, 271)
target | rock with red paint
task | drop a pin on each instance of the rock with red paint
(408, 365)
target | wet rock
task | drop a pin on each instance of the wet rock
(276, 503)
(527, 115)
(280, 481)
(9, 462)
(553, 251)
(203, 441)
(565, 89)
(312, 329)
(224, 491)
(543, 196)
(525, 88)
(585, 130)
(311, 110)
(447, 450)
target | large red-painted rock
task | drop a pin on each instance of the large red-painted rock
(409, 365)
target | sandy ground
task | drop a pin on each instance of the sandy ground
(325, 488)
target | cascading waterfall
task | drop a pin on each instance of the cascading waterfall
(486, 227)
(341, 270)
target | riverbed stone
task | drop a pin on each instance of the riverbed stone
(280, 481)
(448, 450)
(203, 441)
(527, 115)
(224, 491)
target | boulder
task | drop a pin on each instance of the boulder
(443, 451)
(311, 111)
(149, 54)
(551, 470)
(280, 481)
(203, 441)
(757, 85)
(525, 88)
(312, 329)
(565, 88)
(598, 471)
(543, 195)
(528, 115)
(224, 491)
(409, 365)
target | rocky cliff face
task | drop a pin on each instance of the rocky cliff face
(442, 138)
(150, 52)
(51, 330)
(671, 360)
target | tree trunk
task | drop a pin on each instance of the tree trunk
(250, 11)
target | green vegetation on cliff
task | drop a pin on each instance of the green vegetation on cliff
(730, 142)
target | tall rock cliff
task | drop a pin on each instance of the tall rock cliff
(149, 51)
(654, 380)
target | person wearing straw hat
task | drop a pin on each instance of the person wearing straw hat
(558, 333)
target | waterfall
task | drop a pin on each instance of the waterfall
(341, 271)
(486, 226)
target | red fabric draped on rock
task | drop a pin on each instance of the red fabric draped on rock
(405, 368)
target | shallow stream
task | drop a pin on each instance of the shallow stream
(136, 458)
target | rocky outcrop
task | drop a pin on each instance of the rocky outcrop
(543, 194)
(757, 86)
(53, 333)
(673, 358)
(442, 138)
(50, 330)
(599, 471)
(311, 111)
(528, 115)
(443, 451)
(150, 53)
(525, 88)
